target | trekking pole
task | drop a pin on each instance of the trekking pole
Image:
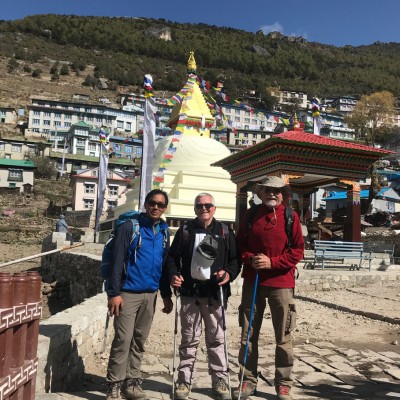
(246, 350)
(178, 295)
(106, 327)
(225, 340)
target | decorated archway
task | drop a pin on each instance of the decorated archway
(307, 162)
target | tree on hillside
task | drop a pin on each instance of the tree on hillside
(44, 167)
(40, 149)
(37, 73)
(78, 65)
(90, 81)
(372, 117)
(54, 68)
(64, 70)
(12, 65)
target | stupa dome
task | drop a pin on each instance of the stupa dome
(193, 154)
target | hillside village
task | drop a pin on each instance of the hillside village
(56, 115)
(66, 132)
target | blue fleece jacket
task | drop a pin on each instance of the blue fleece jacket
(141, 270)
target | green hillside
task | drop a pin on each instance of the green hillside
(122, 50)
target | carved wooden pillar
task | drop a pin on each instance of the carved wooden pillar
(241, 202)
(352, 229)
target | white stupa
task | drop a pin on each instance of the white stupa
(182, 165)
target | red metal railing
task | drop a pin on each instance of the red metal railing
(20, 312)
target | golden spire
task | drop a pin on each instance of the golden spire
(295, 121)
(192, 67)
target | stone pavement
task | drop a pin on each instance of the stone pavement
(322, 371)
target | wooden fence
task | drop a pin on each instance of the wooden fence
(20, 312)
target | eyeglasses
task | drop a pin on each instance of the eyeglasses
(199, 206)
(153, 203)
(274, 190)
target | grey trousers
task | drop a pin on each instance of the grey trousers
(132, 328)
(192, 315)
(283, 313)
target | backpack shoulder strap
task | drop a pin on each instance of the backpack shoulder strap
(225, 232)
(165, 232)
(288, 228)
(225, 229)
(289, 224)
(186, 229)
(135, 228)
(135, 234)
(251, 214)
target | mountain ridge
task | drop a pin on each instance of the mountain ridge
(121, 51)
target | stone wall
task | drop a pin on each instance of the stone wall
(385, 238)
(80, 268)
(68, 341)
(78, 219)
(316, 280)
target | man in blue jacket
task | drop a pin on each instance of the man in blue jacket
(136, 276)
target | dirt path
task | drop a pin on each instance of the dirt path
(316, 324)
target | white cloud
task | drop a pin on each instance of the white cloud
(303, 35)
(275, 27)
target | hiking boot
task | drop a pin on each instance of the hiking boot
(113, 389)
(248, 389)
(283, 392)
(221, 389)
(131, 389)
(182, 390)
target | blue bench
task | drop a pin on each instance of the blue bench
(329, 250)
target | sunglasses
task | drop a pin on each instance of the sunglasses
(153, 203)
(199, 206)
(268, 189)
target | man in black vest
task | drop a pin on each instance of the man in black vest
(206, 250)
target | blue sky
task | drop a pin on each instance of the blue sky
(337, 22)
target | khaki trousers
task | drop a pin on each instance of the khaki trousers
(132, 328)
(283, 313)
(192, 315)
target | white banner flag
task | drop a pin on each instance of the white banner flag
(63, 157)
(149, 132)
(101, 183)
(317, 125)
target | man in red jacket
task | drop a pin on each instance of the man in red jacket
(265, 250)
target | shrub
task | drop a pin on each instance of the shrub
(90, 81)
(37, 73)
(12, 65)
(64, 70)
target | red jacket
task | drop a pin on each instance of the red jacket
(267, 235)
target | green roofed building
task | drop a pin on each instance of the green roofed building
(17, 174)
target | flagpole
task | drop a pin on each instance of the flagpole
(63, 157)
(316, 128)
(101, 181)
(97, 200)
(97, 197)
(149, 128)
